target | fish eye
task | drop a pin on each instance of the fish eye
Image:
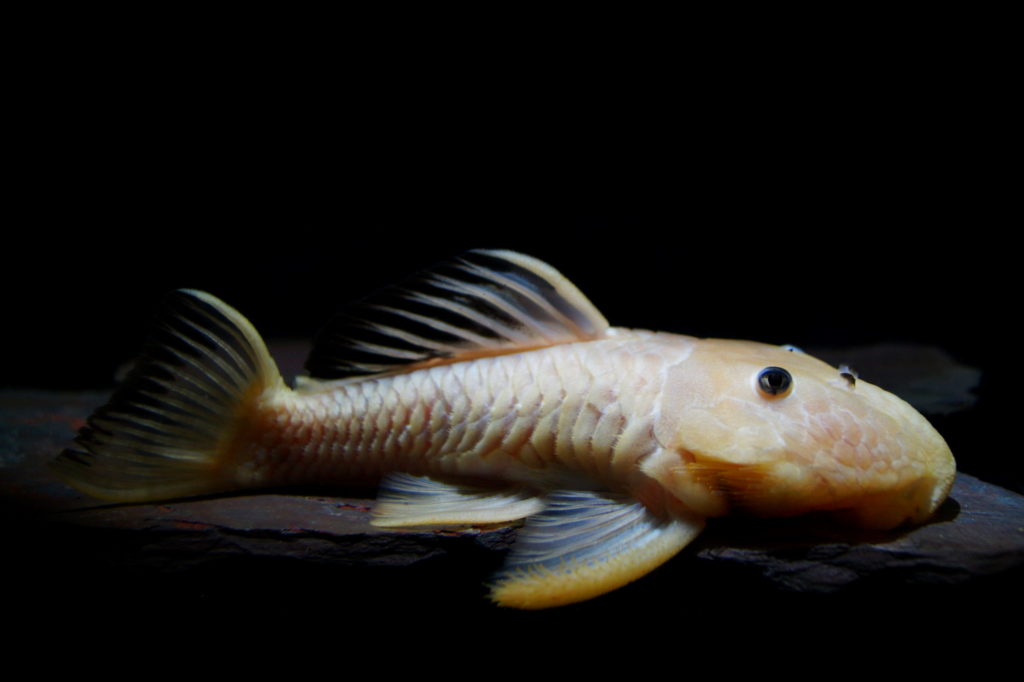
(774, 382)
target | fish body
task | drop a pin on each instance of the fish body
(490, 390)
(532, 418)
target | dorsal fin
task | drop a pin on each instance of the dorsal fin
(483, 303)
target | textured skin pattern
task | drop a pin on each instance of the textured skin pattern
(826, 444)
(674, 421)
(535, 417)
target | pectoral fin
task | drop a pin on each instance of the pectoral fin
(585, 544)
(405, 500)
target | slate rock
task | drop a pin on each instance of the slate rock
(978, 535)
(978, 532)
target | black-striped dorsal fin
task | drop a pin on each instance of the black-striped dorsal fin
(482, 303)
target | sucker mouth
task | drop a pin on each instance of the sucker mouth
(909, 504)
(760, 489)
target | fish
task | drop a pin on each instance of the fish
(488, 390)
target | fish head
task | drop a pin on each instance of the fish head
(771, 431)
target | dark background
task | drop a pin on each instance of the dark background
(823, 191)
(807, 188)
(832, 241)
(873, 220)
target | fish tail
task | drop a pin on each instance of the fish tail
(174, 427)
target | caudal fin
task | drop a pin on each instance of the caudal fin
(172, 427)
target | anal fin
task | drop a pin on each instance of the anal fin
(585, 544)
(405, 500)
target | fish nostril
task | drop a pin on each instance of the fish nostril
(848, 373)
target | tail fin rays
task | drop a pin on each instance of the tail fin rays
(170, 428)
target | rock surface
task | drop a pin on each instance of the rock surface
(235, 545)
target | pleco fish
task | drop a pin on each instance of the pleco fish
(488, 390)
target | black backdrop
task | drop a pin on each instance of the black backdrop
(783, 246)
(820, 263)
(852, 199)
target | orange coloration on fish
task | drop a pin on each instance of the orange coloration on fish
(490, 390)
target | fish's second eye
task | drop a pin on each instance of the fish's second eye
(774, 381)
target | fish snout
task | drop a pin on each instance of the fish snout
(885, 493)
(911, 499)
(868, 457)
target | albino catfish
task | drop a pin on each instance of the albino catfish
(489, 390)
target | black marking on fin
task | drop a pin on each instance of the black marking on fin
(485, 302)
(162, 432)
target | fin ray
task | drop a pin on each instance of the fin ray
(405, 500)
(484, 303)
(466, 335)
(528, 295)
(167, 429)
(498, 304)
(585, 544)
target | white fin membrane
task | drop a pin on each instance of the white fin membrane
(585, 544)
(405, 500)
